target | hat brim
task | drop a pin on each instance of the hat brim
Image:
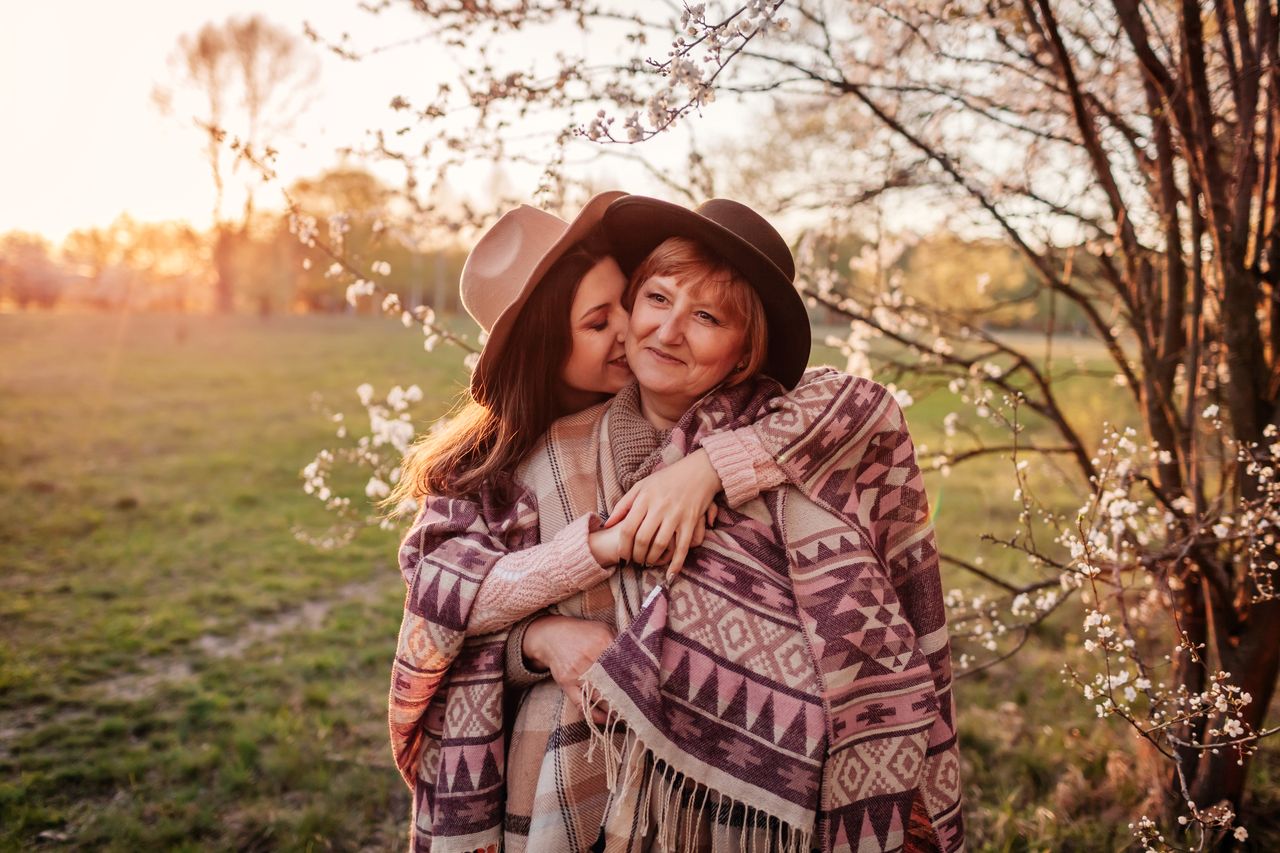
(637, 224)
(589, 217)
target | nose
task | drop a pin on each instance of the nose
(672, 329)
(620, 321)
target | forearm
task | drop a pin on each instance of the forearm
(519, 672)
(796, 437)
(526, 581)
(743, 465)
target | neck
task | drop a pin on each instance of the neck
(571, 400)
(662, 411)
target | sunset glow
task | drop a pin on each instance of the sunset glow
(90, 144)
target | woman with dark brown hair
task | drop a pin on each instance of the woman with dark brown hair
(542, 359)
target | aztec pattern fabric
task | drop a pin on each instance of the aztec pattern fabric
(439, 710)
(711, 678)
(665, 762)
(445, 707)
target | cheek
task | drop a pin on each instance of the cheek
(640, 322)
(579, 356)
(595, 349)
(720, 348)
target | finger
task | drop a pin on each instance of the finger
(712, 512)
(683, 538)
(659, 542)
(621, 508)
(627, 536)
(699, 535)
(644, 538)
(665, 543)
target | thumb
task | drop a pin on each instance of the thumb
(621, 508)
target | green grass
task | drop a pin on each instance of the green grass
(148, 492)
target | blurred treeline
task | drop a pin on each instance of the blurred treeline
(170, 267)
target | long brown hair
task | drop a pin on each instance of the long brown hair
(704, 271)
(480, 441)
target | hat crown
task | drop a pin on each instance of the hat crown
(751, 227)
(498, 267)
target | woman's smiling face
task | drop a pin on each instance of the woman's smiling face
(681, 342)
(597, 364)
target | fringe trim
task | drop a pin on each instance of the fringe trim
(667, 788)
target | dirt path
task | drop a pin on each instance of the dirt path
(157, 672)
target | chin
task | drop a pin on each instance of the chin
(655, 380)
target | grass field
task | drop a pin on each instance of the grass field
(177, 671)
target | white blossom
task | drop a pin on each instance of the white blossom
(376, 489)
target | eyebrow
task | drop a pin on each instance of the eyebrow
(590, 311)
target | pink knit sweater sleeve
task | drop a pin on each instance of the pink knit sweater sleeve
(745, 467)
(750, 459)
(525, 581)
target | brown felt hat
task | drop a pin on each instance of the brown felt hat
(745, 239)
(506, 265)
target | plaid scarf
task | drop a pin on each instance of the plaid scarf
(863, 757)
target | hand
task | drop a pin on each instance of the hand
(667, 512)
(605, 546)
(568, 647)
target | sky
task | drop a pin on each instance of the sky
(84, 142)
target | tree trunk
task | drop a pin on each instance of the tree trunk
(224, 251)
(1190, 672)
(1253, 659)
(440, 302)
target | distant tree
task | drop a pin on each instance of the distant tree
(366, 221)
(139, 265)
(244, 80)
(981, 278)
(29, 276)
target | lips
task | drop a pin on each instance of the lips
(662, 357)
(620, 362)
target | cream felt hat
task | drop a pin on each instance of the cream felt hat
(506, 265)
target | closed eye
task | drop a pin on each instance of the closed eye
(597, 320)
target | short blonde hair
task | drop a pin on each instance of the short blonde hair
(707, 274)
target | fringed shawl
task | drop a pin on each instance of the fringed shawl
(866, 762)
(715, 679)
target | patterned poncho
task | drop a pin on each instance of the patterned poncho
(869, 763)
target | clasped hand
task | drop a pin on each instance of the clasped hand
(567, 647)
(661, 517)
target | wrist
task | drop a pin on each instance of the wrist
(603, 545)
(532, 647)
(729, 456)
(709, 476)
